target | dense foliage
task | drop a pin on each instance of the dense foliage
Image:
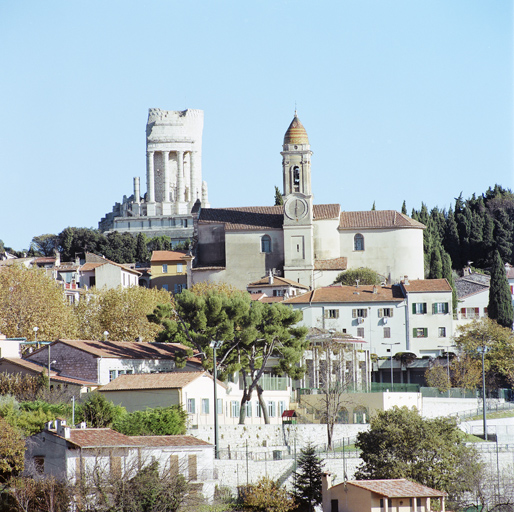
(266, 496)
(471, 230)
(12, 451)
(400, 443)
(500, 298)
(161, 421)
(363, 275)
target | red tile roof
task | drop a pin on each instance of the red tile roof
(397, 488)
(333, 264)
(169, 256)
(277, 281)
(338, 293)
(427, 285)
(90, 266)
(170, 441)
(168, 380)
(259, 217)
(374, 219)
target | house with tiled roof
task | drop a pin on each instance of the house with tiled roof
(74, 454)
(103, 361)
(379, 496)
(103, 273)
(301, 241)
(170, 270)
(276, 288)
(472, 295)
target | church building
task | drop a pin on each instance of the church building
(301, 241)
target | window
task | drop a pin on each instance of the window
(219, 406)
(278, 293)
(248, 406)
(332, 313)
(360, 332)
(296, 179)
(387, 332)
(470, 313)
(257, 409)
(39, 465)
(234, 408)
(440, 308)
(359, 313)
(385, 312)
(165, 268)
(112, 375)
(266, 244)
(272, 409)
(441, 332)
(419, 308)
(420, 332)
(358, 242)
(179, 287)
(205, 406)
(281, 407)
(179, 267)
(191, 408)
(165, 287)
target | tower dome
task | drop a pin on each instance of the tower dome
(296, 133)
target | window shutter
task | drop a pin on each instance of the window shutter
(425, 333)
(424, 307)
(434, 308)
(446, 307)
(413, 308)
(365, 311)
(414, 333)
(477, 312)
(354, 313)
(380, 313)
(391, 311)
(463, 312)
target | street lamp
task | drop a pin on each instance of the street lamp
(106, 335)
(447, 347)
(215, 345)
(35, 329)
(483, 349)
(391, 351)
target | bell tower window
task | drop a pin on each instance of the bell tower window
(296, 179)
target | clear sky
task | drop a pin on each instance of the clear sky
(401, 99)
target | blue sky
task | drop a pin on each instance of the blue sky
(401, 100)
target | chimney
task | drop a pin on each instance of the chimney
(406, 281)
(270, 277)
(356, 283)
(375, 288)
(326, 484)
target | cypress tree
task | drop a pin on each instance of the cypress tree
(307, 485)
(436, 265)
(279, 200)
(142, 254)
(404, 208)
(451, 240)
(503, 235)
(500, 298)
(373, 207)
(447, 274)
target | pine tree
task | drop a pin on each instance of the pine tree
(404, 208)
(500, 299)
(142, 254)
(373, 208)
(307, 486)
(279, 200)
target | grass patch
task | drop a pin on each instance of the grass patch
(493, 415)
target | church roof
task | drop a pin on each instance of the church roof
(296, 133)
(372, 219)
(259, 217)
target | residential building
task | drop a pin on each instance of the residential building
(103, 273)
(170, 270)
(276, 287)
(473, 297)
(399, 495)
(73, 454)
(103, 361)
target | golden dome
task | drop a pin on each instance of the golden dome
(296, 133)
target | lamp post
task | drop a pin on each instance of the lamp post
(35, 329)
(483, 349)
(391, 351)
(447, 347)
(106, 335)
(215, 345)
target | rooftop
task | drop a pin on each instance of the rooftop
(427, 285)
(339, 293)
(397, 488)
(374, 219)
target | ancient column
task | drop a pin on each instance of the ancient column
(150, 178)
(165, 161)
(180, 183)
(193, 196)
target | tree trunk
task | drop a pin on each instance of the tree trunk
(264, 409)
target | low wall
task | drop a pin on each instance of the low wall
(238, 437)
(437, 407)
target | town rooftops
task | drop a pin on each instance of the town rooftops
(125, 349)
(90, 266)
(277, 281)
(108, 438)
(426, 285)
(158, 256)
(376, 219)
(333, 264)
(338, 293)
(141, 381)
(397, 488)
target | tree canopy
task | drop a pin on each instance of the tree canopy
(400, 443)
(12, 451)
(364, 275)
(500, 298)
(250, 334)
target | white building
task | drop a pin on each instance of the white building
(73, 453)
(473, 297)
(301, 241)
(413, 316)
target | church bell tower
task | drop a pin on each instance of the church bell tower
(298, 211)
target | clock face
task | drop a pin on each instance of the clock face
(296, 208)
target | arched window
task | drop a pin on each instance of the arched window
(358, 242)
(343, 416)
(266, 244)
(360, 414)
(296, 179)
